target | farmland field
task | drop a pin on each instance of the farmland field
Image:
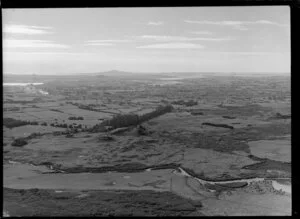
(201, 145)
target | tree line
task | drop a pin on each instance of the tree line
(131, 119)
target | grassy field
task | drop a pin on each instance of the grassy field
(239, 128)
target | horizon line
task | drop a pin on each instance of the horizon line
(136, 72)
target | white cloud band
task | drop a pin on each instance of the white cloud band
(172, 46)
(234, 24)
(14, 43)
(27, 30)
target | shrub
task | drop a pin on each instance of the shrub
(186, 103)
(76, 118)
(119, 121)
(69, 135)
(229, 117)
(218, 125)
(11, 123)
(160, 110)
(19, 142)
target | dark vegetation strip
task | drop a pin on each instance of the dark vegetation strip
(267, 164)
(22, 141)
(185, 103)
(225, 187)
(35, 100)
(12, 123)
(45, 202)
(56, 110)
(220, 179)
(11, 109)
(197, 113)
(126, 120)
(127, 167)
(280, 116)
(229, 117)
(76, 118)
(90, 108)
(218, 125)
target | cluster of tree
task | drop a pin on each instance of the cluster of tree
(97, 128)
(281, 116)
(19, 142)
(37, 99)
(56, 110)
(119, 121)
(69, 133)
(88, 107)
(76, 118)
(11, 109)
(11, 123)
(142, 130)
(125, 120)
(59, 125)
(229, 117)
(195, 113)
(185, 103)
(44, 124)
(70, 126)
(85, 107)
(160, 110)
(218, 125)
(33, 135)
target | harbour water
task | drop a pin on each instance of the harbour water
(21, 84)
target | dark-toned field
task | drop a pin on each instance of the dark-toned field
(48, 203)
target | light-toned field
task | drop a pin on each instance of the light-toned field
(24, 131)
(279, 150)
(21, 116)
(214, 164)
(283, 107)
(242, 203)
(184, 121)
(83, 181)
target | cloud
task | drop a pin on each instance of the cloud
(99, 44)
(250, 53)
(157, 23)
(108, 41)
(111, 42)
(179, 38)
(172, 46)
(240, 25)
(28, 30)
(14, 43)
(201, 32)
(46, 53)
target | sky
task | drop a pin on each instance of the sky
(173, 39)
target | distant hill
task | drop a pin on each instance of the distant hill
(42, 77)
(114, 73)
